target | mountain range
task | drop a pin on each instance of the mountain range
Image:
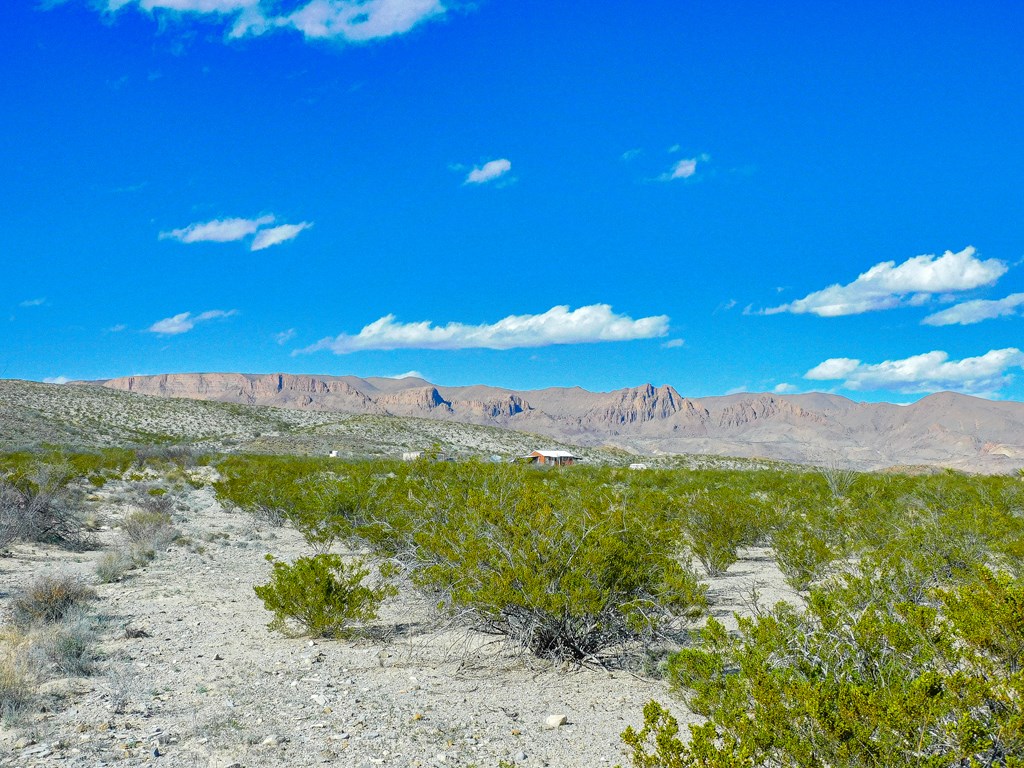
(944, 429)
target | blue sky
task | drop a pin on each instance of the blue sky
(716, 196)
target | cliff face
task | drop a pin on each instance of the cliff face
(945, 428)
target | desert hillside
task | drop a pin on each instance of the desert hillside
(943, 429)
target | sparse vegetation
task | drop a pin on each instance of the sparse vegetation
(48, 599)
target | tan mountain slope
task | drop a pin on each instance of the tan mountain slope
(944, 429)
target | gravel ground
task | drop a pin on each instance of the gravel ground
(191, 676)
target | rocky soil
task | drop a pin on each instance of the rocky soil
(190, 676)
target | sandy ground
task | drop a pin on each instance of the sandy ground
(206, 684)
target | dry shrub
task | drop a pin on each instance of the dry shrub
(49, 599)
(150, 529)
(41, 508)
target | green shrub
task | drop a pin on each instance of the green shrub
(48, 599)
(717, 524)
(322, 595)
(865, 676)
(563, 570)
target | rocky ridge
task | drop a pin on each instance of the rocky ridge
(944, 429)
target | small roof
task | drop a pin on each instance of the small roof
(554, 454)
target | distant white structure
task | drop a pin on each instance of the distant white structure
(556, 458)
(639, 465)
(333, 454)
(411, 455)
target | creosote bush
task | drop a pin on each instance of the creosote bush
(866, 675)
(322, 595)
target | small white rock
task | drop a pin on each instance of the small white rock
(554, 721)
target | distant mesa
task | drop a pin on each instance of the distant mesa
(944, 429)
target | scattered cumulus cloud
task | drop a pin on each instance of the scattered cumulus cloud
(888, 285)
(929, 372)
(785, 389)
(489, 171)
(971, 312)
(266, 238)
(559, 325)
(185, 321)
(32, 302)
(56, 380)
(348, 21)
(283, 337)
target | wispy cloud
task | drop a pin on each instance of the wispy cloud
(284, 337)
(32, 302)
(351, 21)
(407, 375)
(970, 312)
(929, 372)
(673, 344)
(232, 230)
(632, 154)
(559, 325)
(785, 389)
(489, 171)
(218, 230)
(185, 321)
(265, 238)
(683, 169)
(56, 380)
(888, 285)
(359, 21)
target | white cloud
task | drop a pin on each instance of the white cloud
(632, 154)
(559, 325)
(118, 328)
(684, 169)
(56, 380)
(217, 231)
(930, 372)
(189, 6)
(489, 171)
(283, 337)
(970, 312)
(276, 235)
(673, 343)
(741, 389)
(184, 321)
(32, 303)
(353, 21)
(888, 285)
(784, 389)
(407, 375)
(359, 21)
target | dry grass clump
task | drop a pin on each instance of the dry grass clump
(68, 648)
(49, 599)
(113, 565)
(17, 694)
